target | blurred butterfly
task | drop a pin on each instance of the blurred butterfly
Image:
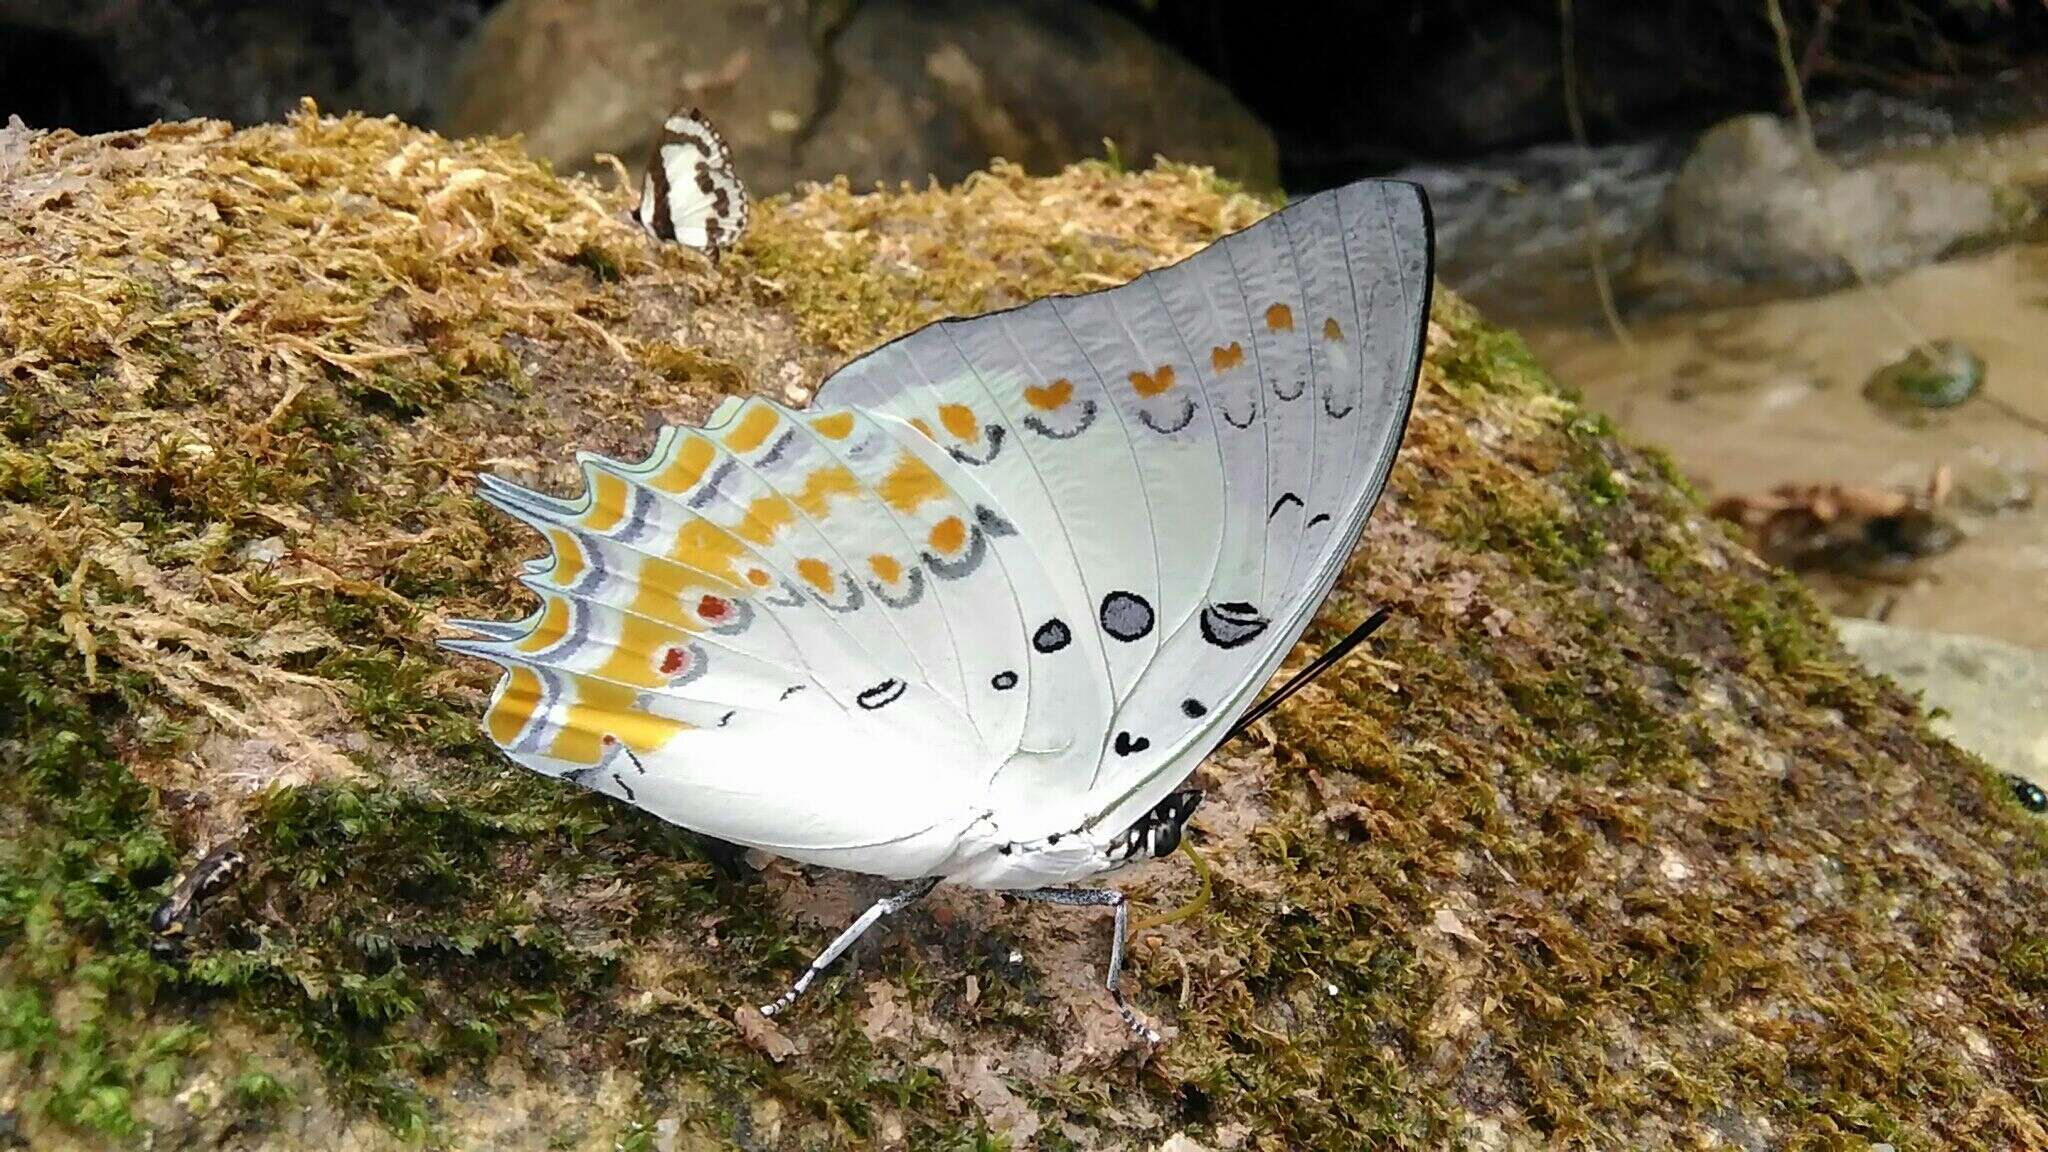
(977, 614)
(691, 194)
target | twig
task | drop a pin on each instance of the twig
(1576, 116)
(1793, 88)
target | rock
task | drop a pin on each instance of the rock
(1753, 208)
(1681, 830)
(1995, 694)
(899, 91)
(244, 61)
(1937, 374)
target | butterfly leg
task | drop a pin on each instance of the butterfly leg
(854, 931)
(1099, 898)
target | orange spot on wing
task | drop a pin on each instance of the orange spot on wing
(707, 548)
(923, 429)
(693, 457)
(816, 573)
(569, 562)
(554, 624)
(1154, 382)
(765, 517)
(886, 568)
(948, 535)
(1280, 318)
(1051, 396)
(1332, 330)
(753, 429)
(1224, 357)
(758, 578)
(604, 714)
(822, 485)
(516, 703)
(910, 483)
(608, 499)
(837, 426)
(636, 656)
(959, 420)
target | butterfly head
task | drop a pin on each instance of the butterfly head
(1157, 833)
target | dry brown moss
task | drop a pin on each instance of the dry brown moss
(1606, 844)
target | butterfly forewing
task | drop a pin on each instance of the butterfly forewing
(1246, 521)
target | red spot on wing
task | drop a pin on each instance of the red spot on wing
(673, 661)
(713, 609)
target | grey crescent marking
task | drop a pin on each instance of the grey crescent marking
(726, 719)
(1282, 503)
(977, 547)
(1087, 421)
(791, 597)
(1227, 419)
(792, 690)
(993, 433)
(643, 507)
(1300, 386)
(776, 450)
(695, 664)
(992, 521)
(1333, 413)
(530, 741)
(708, 491)
(624, 787)
(1187, 417)
(743, 615)
(910, 598)
(591, 580)
(855, 598)
(1318, 518)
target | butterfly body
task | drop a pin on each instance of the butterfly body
(976, 615)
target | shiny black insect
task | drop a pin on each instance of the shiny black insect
(214, 872)
(2028, 793)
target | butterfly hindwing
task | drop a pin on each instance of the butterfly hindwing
(1018, 570)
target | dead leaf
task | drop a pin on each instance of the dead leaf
(761, 1032)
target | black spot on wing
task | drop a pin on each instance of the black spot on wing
(887, 692)
(1052, 636)
(1186, 417)
(1318, 518)
(1128, 745)
(1126, 616)
(1003, 681)
(1232, 624)
(1193, 709)
(1285, 499)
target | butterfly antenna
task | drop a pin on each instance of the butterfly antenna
(1306, 676)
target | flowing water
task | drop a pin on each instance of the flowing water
(1749, 396)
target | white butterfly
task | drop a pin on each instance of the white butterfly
(976, 615)
(691, 194)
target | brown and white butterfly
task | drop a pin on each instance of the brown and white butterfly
(691, 194)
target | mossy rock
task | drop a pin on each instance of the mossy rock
(1606, 843)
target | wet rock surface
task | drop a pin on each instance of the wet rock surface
(1754, 207)
(878, 92)
(1995, 695)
